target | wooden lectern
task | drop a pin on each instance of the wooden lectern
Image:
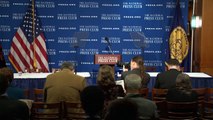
(107, 59)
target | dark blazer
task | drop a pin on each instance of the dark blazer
(145, 79)
(166, 80)
(13, 109)
(175, 95)
(15, 92)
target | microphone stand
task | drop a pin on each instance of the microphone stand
(109, 45)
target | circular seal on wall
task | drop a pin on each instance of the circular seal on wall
(178, 44)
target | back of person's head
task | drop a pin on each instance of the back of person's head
(92, 100)
(133, 82)
(138, 60)
(106, 76)
(122, 109)
(67, 65)
(8, 73)
(4, 83)
(172, 63)
(183, 83)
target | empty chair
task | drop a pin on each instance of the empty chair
(38, 95)
(208, 110)
(74, 111)
(144, 92)
(159, 94)
(46, 111)
(182, 110)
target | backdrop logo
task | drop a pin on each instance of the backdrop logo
(110, 5)
(66, 5)
(4, 40)
(45, 4)
(155, 17)
(48, 28)
(132, 17)
(18, 16)
(171, 5)
(152, 28)
(110, 28)
(91, 28)
(154, 5)
(153, 51)
(88, 5)
(155, 40)
(132, 5)
(67, 16)
(88, 51)
(4, 16)
(153, 63)
(5, 28)
(89, 16)
(131, 51)
(4, 4)
(132, 28)
(47, 16)
(20, 4)
(67, 28)
(51, 51)
(50, 40)
(113, 40)
(110, 17)
(65, 40)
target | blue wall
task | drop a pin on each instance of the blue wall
(89, 22)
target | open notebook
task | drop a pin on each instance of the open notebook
(120, 82)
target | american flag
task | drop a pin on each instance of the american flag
(28, 48)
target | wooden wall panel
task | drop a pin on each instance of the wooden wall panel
(206, 63)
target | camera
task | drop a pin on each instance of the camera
(125, 64)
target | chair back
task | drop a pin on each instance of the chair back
(46, 111)
(38, 95)
(209, 94)
(74, 111)
(26, 93)
(144, 92)
(201, 92)
(159, 94)
(182, 110)
(208, 110)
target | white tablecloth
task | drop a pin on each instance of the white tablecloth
(191, 74)
(43, 75)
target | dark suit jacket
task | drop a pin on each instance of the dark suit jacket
(176, 95)
(13, 109)
(64, 86)
(145, 79)
(15, 92)
(166, 80)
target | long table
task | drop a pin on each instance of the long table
(37, 80)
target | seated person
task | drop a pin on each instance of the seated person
(122, 109)
(64, 85)
(11, 109)
(147, 110)
(92, 100)
(12, 91)
(106, 81)
(166, 80)
(137, 67)
(182, 92)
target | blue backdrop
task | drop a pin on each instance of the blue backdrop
(76, 30)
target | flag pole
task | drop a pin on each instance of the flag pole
(33, 32)
(192, 40)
